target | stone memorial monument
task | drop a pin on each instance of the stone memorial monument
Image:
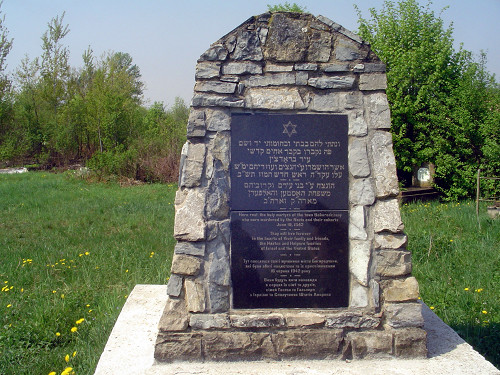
(290, 240)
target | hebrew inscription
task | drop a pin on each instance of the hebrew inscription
(289, 211)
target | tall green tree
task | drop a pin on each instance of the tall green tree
(426, 83)
(7, 147)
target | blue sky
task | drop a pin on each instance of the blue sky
(165, 37)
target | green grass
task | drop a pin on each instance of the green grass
(456, 260)
(72, 250)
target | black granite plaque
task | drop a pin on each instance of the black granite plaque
(289, 162)
(289, 211)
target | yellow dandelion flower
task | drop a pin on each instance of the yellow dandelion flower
(62, 296)
(126, 271)
(9, 305)
(74, 329)
(87, 305)
(80, 321)
(484, 312)
(126, 295)
(58, 334)
(466, 289)
(87, 253)
(67, 371)
(90, 310)
(80, 255)
(74, 353)
(54, 292)
(432, 307)
(52, 373)
(66, 358)
(22, 290)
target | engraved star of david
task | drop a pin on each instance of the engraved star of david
(289, 128)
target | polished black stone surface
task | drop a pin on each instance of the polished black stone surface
(289, 162)
(283, 259)
(289, 211)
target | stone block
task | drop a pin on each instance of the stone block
(214, 53)
(374, 68)
(335, 102)
(174, 286)
(257, 321)
(351, 319)
(227, 346)
(371, 82)
(378, 112)
(207, 70)
(359, 260)
(276, 79)
(391, 263)
(238, 68)
(172, 347)
(359, 295)
(211, 100)
(386, 216)
(219, 147)
(274, 98)
(189, 222)
(195, 295)
(274, 68)
(306, 66)
(186, 265)
(344, 82)
(357, 124)
(194, 161)
(410, 343)
(361, 192)
(218, 298)
(196, 123)
(190, 248)
(215, 86)
(375, 293)
(247, 46)
(301, 78)
(401, 290)
(209, 321)
(347, 51)
(313, 344)
(403, 315)
(218, 198)
(304, 319)
(175, 316)
(384, 165)
(217, 247)
(218, 120)
(219, 271)
(370, 344)
(357, 229)
(334, 68)
(287, 40)
(358, 158)
(390, 241)
(320, 46)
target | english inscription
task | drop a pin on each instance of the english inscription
(289, 211)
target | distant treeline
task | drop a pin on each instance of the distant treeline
(52, 114)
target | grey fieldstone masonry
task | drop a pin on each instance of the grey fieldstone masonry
(289, 63)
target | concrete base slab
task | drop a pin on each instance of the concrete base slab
(130, 350)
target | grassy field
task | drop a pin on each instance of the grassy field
(70, 254)
(72, 251)
(456, 259)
